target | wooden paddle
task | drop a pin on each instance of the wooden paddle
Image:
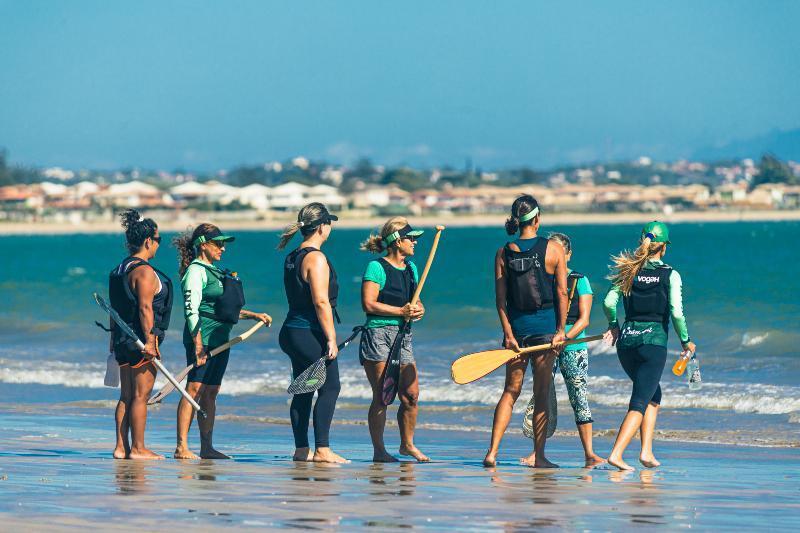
(390, 379)
(474, 366)
(169, 387)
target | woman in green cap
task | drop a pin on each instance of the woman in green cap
(651, 293)
(386, 291)
(211, 307)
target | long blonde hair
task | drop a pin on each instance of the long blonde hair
(628, 264)
(375, 243)
(308, 214)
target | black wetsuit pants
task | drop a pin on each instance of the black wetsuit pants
(304, 347)
(644, 365)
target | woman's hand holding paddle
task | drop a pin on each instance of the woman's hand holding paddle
(611, 335)
(333, 350)
(263, 317)
(412, 313)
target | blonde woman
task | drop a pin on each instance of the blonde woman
(386, 291)
(308, 332)
(651, 293)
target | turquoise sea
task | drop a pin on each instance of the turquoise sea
(739, 282)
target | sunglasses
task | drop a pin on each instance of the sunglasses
(410, 238)
(156, 239)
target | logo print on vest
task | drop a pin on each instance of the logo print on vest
(648, 279)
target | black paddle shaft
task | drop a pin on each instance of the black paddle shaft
(390, 379)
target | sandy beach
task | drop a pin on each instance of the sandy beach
(361, 222)
(64, 479)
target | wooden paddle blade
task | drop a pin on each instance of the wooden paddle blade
(474, 366)
(169, 387)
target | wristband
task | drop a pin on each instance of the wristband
(687, 341)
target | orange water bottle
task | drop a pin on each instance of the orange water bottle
(680, 365)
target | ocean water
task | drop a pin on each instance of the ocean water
(739, 281)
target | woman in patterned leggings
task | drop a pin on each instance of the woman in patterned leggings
(574, 360)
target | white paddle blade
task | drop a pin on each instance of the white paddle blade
(169, 387)
(311, 379)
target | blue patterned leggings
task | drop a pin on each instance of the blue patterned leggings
(574, 367)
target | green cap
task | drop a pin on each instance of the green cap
(657, 231)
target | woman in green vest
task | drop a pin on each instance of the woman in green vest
(209, 319)
(651, 293)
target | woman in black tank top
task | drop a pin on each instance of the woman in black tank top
(137, 375)
(308, 332)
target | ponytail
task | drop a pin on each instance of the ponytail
(288, 233)
(376, 243)
(524, 212)
(137, 229)
(628, 264)
(308, 220)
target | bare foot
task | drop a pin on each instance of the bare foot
(542, 462)
(144, 453)
(211, 453)
(594, 460)
(649, 461)
(619, 463)
(384, 457)
(184, 453)
(120, 453)
(529, 460)
(490, 460)
(413, 451)
(326, 455)
(302, 455)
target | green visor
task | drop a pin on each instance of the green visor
(406, 231)
(213, 235)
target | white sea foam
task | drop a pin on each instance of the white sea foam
(753, 339)
(603, 390)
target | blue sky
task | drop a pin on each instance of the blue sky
(206, 85)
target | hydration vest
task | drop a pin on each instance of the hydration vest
(400, 285)
(530, 287)
(125, 303)
(298, 291)
(231, 301)
(649, 297)
(574, 298)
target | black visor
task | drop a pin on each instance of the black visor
(325, 218)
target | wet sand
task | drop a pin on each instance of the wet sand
(56, 473)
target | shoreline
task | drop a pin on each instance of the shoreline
(371, 222)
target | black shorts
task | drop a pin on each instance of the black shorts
(210, 373)
(130, 355)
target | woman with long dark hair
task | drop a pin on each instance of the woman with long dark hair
(308, 332)
(142, 296)
(651, 292)
(531, 300)
(211, 307)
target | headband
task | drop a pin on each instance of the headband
(527, 216)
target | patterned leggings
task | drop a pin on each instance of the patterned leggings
(575, 370)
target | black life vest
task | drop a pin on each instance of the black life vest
(231, 301)
(530, 287)
(649, 297)
(400, 284)
(298, 291)
(125, 303)
(574, 312)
